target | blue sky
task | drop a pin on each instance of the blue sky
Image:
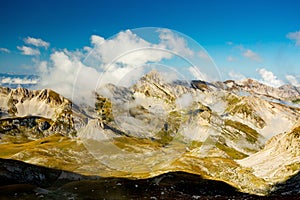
(251, 38)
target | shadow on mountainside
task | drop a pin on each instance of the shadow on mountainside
(289, 188)
(19, 180)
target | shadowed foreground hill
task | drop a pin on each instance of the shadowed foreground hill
(291, 187)
(20, 180)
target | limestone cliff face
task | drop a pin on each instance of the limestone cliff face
(22, 102)
(153, 85)
(280, 158)
(36, 113)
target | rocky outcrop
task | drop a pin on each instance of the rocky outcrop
(36, 113)
(280, 158)
(286, 92)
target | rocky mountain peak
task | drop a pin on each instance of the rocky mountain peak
(249, 86)
(22, 102)
(249, 81)
(51, 96)
(36, 113)
(19, 95)
(153, 76)
(153, 84)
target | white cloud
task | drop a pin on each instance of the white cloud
(204, 55)
(185, 100)
(251, 55)
(4, 50)
(70, 71)
(97, 40)
(230, 59)
(29, 51)
(18, 81)
(36, 42)
(42, 67)
(269, 78)
(126, 48)
(293, 80)
(229, 43)
(67, 74)
(175, 43)
(236, 76)
(295, 36)
(118, 60)
(197, 74)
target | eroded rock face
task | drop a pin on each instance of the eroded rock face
(37, 113)
(279, 158)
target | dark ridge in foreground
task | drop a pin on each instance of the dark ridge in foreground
(291, 187)
(20, 180)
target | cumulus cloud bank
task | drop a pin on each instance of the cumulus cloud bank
(17, 81)
(66, 74)
(294, 80)
(269, 78)
(116, 60)
(36, 42)
(126, 48)
(29, 51)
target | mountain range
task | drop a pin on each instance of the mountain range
(241, 133)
